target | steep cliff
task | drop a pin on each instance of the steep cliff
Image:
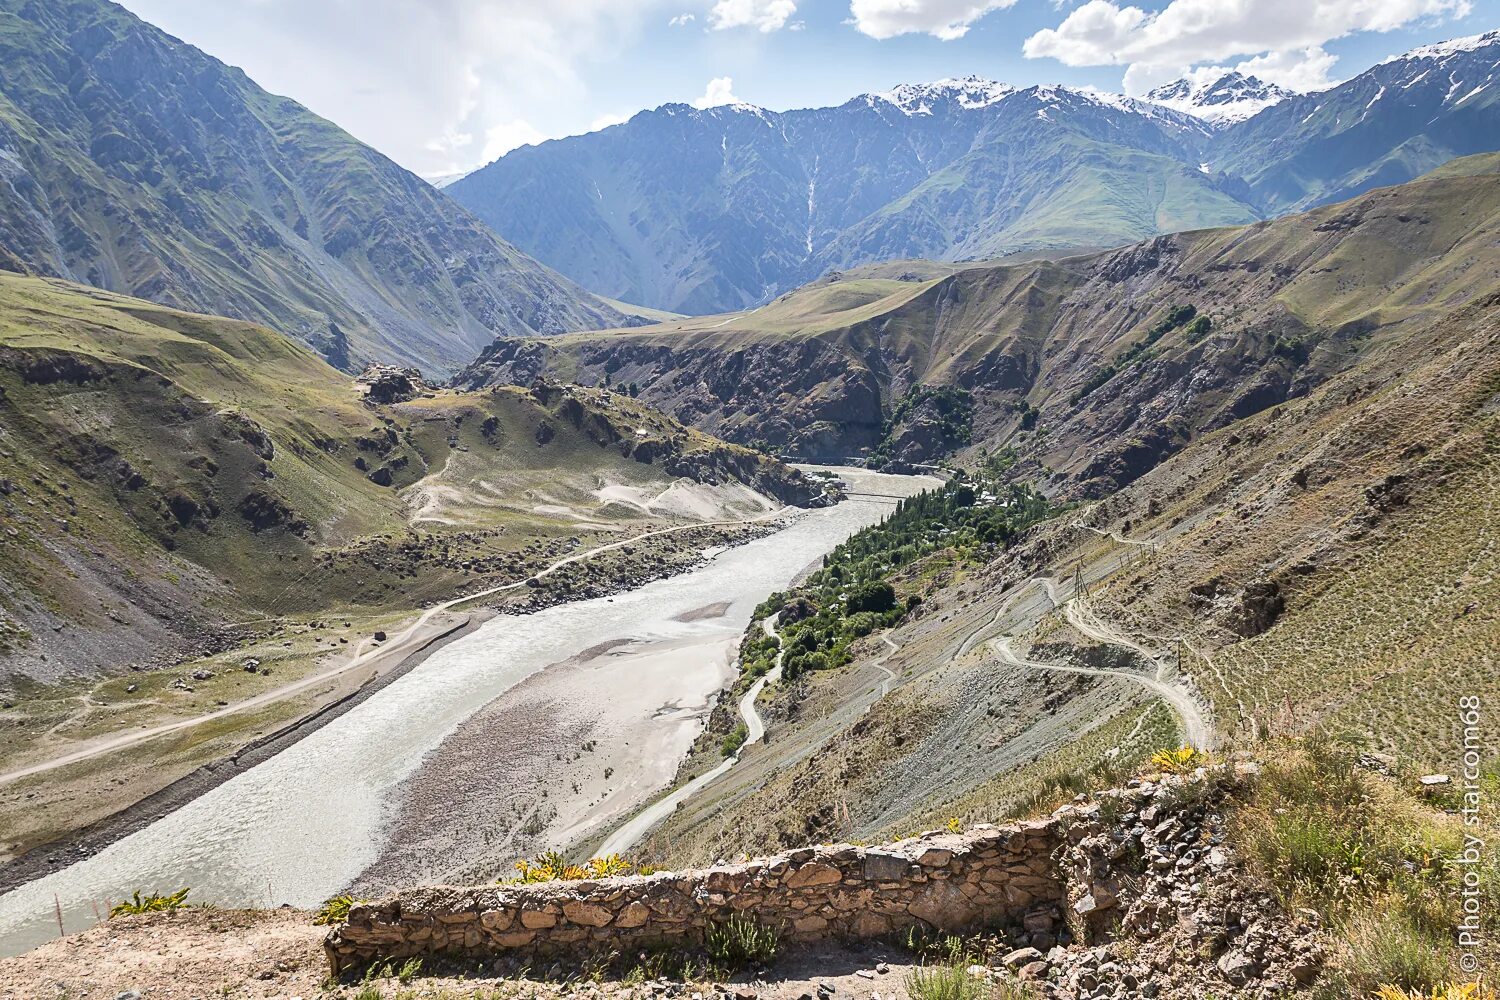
(1092, 368)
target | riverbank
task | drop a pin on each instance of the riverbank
(313, 819)
(611, 569)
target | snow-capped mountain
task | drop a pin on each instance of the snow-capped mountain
(968, 93)
(1396, 120)
(1227, 100)
(704, 210)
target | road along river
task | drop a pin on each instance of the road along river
(308, 822)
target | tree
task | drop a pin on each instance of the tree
(872, 595)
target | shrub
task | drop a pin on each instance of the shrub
(1179, 761)
(335, 910)
(154, 903)
(949, 981)
(740, 941)
(1388, 951)
(734, 740)
(552, 867)
(1442, 991)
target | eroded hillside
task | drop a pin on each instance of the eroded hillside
(1093, 368)
(163, 473)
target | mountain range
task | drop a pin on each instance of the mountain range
(136, 163)
(1092, 368)
(708, 210)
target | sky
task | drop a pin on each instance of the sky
(445, 86)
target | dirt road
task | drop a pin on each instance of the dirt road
(428, 626)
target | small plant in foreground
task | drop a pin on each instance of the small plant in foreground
(154, 903)
(954, 825)
(552, 866)
(739, 941)
(948, 981)
(1179, 761)
(1442, 991)
(409, 970)
(335, 910)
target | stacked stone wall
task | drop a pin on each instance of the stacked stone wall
(988, 876)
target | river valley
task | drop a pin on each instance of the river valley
(438, 774)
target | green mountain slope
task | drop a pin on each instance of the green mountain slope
(1391, 123)
(1092, 367)
(724, 208)
(133, 162)
(163, 472)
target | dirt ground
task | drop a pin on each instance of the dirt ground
(278, 954)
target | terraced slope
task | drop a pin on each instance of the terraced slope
(136, 163)
(1092, 369)
(163, 472)
(1324, 565)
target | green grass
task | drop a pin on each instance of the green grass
(740, 942)
(1379, 866)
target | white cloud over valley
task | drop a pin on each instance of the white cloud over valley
(945, 19)
(1283, 37)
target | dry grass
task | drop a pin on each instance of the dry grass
(1380, 866)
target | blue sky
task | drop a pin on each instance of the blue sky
(447, 85)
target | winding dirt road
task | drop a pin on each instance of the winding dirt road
(1196, 727)
(631, 833)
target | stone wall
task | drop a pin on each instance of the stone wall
(986, 877)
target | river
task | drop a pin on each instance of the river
(305, 824)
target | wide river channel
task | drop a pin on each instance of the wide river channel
(301, 826)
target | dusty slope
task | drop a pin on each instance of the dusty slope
(167, 472)
(1325, 563)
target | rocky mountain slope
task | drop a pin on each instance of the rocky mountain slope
(136, 163)
(1317, 574)
(1093, 368)
(703, 211)
(1230, 99)
(1394, 121)
(163, 472)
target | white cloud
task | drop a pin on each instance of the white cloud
(502, 138)
(720, 91)
(945, 19)
(1285, 37)
(1301, 70)
(681, 21)
(467, 67)
(764, 15)
(606, 120)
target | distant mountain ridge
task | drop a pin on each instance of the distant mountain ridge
(136, 163)
(712, 210)
(701, 210)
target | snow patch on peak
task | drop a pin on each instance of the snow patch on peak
(968, 93)
(1233, 97)
(1453, 47)
(1058, 96)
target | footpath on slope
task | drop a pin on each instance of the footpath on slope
(634, 831)
(417, 637)
(1197, 727)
